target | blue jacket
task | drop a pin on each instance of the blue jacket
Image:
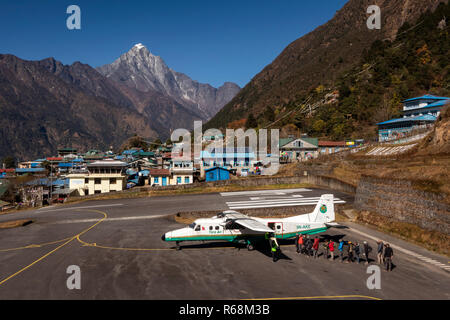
(341, 246)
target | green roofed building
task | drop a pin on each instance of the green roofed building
(298, 149)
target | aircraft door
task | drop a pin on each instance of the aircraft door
(279, 228)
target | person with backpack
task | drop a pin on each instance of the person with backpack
(380, 252)
(303, 245)
(309, 245)
(341, 249)
(357, 251)
(331, 247)
(349, 252)
(315, 247)
(367, 250)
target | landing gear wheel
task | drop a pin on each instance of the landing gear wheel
(250, 247)
(178, 248)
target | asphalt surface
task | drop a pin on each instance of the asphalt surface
(117, 246)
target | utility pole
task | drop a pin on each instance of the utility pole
(51, 184)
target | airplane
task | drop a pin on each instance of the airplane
(239, 228)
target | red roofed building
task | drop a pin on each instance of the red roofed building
(329, 147)
(160, 177)
(7, 173)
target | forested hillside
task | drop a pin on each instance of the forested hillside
(367, 89)
(417, 62)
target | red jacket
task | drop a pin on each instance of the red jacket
(331, 246)
(316, 244)
(300, 240)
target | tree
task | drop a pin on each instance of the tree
(9, 162)
(269, 114)
(251, 122)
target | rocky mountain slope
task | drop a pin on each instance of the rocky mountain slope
(42, 111)
(162, 112)
(320, 56)
(140, 69)
(48, 105)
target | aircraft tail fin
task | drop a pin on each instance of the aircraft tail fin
(324, 210)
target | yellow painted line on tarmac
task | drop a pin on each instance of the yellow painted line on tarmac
(318, 297)
(30, 246)
(56, 249)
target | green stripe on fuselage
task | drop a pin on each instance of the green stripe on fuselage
(235, 238)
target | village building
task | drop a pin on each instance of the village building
(419, 114)
(298, 149)
(7, 173)
(217, 174)
(329, 147)
(159, 177)
(103, 176)
(182, 172)
(239, 159)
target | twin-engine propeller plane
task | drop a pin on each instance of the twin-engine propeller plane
(236, 227)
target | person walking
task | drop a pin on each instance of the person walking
(367, 250)
(388, 255)
(341, 249)
(380, 247)
(315, 247)
(350, 252)
(357, 251)
(331, 247)
(326, 248)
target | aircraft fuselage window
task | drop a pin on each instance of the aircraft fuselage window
(210, 227)
(278, 227)
(217, 227)
(197, 228)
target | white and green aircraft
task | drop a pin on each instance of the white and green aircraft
(236, 227)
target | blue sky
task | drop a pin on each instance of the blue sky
(210, 41)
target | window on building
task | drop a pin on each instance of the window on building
(155, 180)
(86, 180)
(186, 180)
(112, 181)
(98, 181)
(97, 191)
(178, 180)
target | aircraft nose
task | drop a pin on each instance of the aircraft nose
(163, 238)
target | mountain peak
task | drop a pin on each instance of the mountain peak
(139, 46)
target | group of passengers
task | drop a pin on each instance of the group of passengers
(348, 251)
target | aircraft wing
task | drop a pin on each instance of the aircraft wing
(248, 222)
(253, 225)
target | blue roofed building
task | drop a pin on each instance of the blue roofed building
(217, 174)
(419, 113)
(239, 158)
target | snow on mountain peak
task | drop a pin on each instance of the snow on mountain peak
(139, 46)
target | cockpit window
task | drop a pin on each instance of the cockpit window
(192, 225)
(197, 228)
